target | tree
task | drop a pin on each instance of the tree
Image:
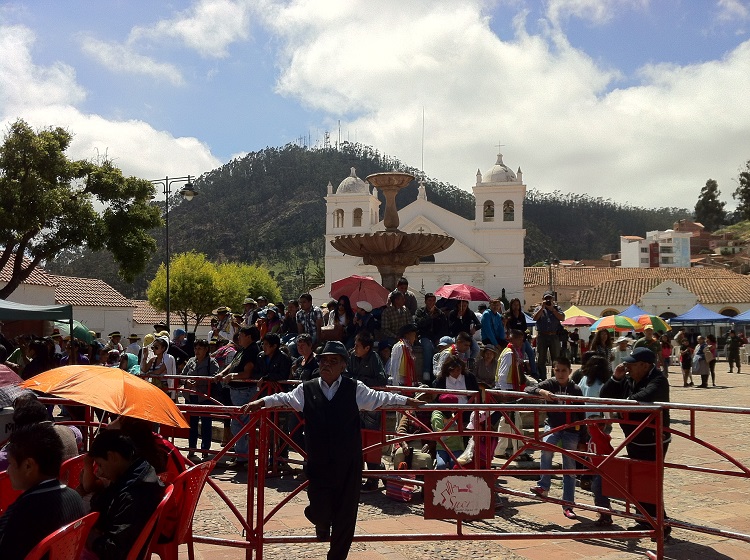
(193, 288)
(197, 286)
(49, 202)
(742, 192)
(238, 280)
(709, 210)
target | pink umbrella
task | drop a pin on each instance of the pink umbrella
(462, 291)
(578, 321)
(360, 288)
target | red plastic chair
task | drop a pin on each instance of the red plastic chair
(175, 526)
(70, 471)
(67, 542)
(148, 534)
(7, 494)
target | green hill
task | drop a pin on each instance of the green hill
(268, 207)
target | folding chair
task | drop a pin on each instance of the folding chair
(67, 542)
(175, 526)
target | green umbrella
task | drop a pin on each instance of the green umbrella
(618, 323)
(80, 331)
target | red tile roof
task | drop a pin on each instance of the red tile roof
(87, 292)
(38, 276)
(624, 286)
(144, 314)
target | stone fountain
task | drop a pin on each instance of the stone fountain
(392, 250)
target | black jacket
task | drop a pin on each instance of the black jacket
(36, 513)
(654, 387)
(124, 508)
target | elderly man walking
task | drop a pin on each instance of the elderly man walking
(330, 405)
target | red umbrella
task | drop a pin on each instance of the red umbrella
(462, 291)
(579, 321)
(360, 288)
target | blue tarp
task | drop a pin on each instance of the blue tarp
(700, 314)
(529, 320)
(633, 312)
(742, 317)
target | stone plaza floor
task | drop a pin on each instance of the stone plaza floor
(698, 498)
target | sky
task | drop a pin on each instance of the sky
(638, 101)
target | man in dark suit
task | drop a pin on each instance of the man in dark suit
(34, 458)
(330, 405)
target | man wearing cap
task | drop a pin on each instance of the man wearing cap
(363, 318)
(330, 405)
(432, 324)
(548, 317)
(133, 346)
(638, 379)
(648, 340)
(250, 312)
(224, 328)
(114, 341)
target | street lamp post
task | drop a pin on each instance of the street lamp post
(187, 192)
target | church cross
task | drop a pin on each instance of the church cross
(421, 229)
(499, 145)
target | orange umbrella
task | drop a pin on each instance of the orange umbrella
(111, 389)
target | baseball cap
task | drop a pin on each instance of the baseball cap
(641, 355)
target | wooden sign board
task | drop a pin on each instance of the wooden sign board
(452, 495)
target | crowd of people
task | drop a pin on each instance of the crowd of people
(350, 350)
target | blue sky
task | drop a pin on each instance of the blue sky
(635, 100)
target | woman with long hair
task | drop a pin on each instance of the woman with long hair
(602, 345)
(666, 353)
(515, 319)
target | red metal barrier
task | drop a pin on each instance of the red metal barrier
(266, 433)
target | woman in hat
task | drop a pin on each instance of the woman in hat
(486, 366)
(621, 350)
(160, 364)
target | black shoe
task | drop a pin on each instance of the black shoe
(371, 485)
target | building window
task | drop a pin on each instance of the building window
(509, 211)
(729, 312)
(357, 217)
(644, 249)
(427, 259)
(338, 219)
(608, 312)
(489, 211)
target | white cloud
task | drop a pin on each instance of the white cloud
(47, 96)
(553, 107)
(209, 27)
(731, 11)
(22, 83)
(121, 58)
(595, 11)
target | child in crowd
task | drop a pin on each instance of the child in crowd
(565, 437)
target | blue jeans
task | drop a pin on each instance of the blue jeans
(444, 459)
(596, 488)
(205, 422)
(428, 351)
(528, 350)
(240, 396)
(568, 440)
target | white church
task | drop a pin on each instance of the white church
(488, 251)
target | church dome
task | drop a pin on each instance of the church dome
(499, 173)
(353, 185)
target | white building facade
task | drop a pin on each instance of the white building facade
(488, 251)
(668, 249)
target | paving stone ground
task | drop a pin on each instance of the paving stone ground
(716, 501)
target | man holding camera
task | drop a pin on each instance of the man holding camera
(548, 316)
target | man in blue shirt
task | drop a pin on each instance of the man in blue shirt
(493, 327)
